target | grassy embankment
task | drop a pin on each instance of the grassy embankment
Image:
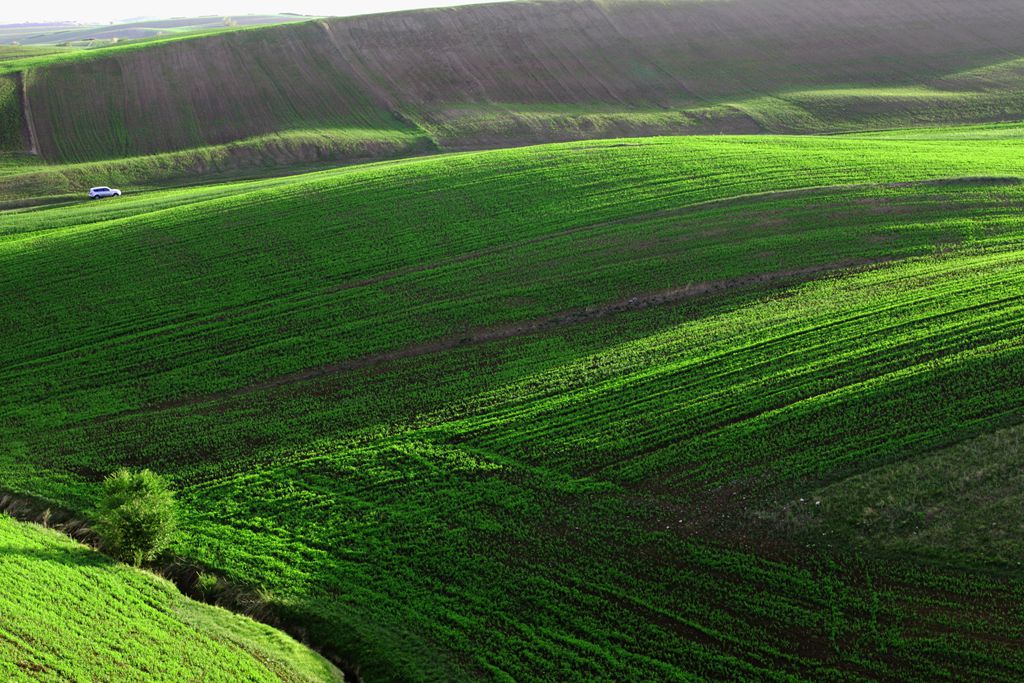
(68, 613)
(548, 412)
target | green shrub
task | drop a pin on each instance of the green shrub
(136, 516)
(206, 584)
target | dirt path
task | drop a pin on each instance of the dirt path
(26, 109)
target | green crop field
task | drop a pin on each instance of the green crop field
(689, 391)
(70, 614)
(20, 52)
(593, 410)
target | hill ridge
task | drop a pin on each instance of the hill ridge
(513, 73)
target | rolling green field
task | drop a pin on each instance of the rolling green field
(69, 614)
(721, 382)
(678, 408)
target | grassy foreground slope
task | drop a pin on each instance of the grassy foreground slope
(68, 613)
(521, 72)
(545, 413)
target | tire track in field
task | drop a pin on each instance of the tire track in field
(502, 332)
(26, 110)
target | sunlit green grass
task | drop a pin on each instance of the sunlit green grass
(990, 131)
(69, 613)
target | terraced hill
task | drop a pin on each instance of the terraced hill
(68, 613)
(601, 410)
(515, 73)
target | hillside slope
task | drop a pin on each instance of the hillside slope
(514, 73)
(541, 414)
(69, 613)
(189, 93)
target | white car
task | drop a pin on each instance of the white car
(100, 192)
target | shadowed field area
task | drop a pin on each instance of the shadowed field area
(521, 73)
